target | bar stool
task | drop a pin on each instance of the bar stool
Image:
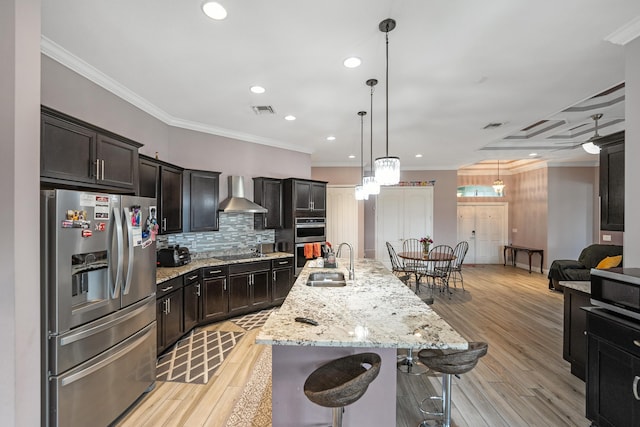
(341, 382)
(449, 362)
(411, 365)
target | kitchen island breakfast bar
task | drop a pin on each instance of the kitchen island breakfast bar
(375, 312)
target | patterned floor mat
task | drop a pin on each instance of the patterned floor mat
(253, 320)
(196, 358)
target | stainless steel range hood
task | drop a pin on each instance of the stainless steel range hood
(236, 202)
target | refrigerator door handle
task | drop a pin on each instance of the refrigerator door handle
(127, 282)
(115, 292)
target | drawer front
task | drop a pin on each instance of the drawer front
(282, 262)
(168, 286)
(217, 271)
(250, 267)
(191, 277)
(608, 329)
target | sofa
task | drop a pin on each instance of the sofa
(580, 269)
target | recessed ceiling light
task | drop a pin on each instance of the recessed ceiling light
(352, 156)
(214, 10)
(533, 154)
(418, 155)
(331, 138)
(352, 62)
(257, 89)
(290, 117)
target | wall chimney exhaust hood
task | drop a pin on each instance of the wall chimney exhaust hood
(236, 202)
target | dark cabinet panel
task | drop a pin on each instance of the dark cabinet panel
(67, 150)
(612, 182)
(201, 199)
(281, 279)
(613, 371)
(166, 179)
(304, 197)
(75, 153)
(267, 192)
(118, 162)
(169, 318)
(215, 294)
(574, 346)
(318, 196)
(249, 286)
(192, 299)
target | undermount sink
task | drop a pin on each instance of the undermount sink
(326, 279)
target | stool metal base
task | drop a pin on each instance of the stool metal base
(445, 416)
(411, 365)
(337, 416)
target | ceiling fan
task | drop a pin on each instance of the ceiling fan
(589, 145)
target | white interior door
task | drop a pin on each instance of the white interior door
(484, 226)
(402, 213)
(342, 216)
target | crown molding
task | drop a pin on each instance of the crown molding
(59, 54)
(626, 33)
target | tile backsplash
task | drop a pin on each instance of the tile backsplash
(236, 234)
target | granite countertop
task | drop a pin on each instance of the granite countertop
(375, 310)
(582, 286)
(166, 273)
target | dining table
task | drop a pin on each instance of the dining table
(425, 258)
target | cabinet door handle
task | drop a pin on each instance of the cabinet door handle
(635, 387)
(102, 162)
(166, 289)
(164, 224)
(212, 272)
(224, 285)
(283, 262)
(192, 277)
(165, 309)
(273, 275)
(264, 217)
(636, 343)
(168, 305)
(97, 168)
(198, 289)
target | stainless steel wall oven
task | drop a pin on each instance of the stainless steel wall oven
(309, 230)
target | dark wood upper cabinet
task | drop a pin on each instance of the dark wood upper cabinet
(201, 200)
(166, 179)
(612, 181)
(77, 154)
(304, 198)
(267, 192)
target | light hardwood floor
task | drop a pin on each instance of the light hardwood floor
(523, 380)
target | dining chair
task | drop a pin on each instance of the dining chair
(460, 251)
(396, 266)
(440, 258)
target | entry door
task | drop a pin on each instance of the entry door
(402, 213)
(484, 226)
(342, 217)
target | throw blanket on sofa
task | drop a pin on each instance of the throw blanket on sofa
(580, 270)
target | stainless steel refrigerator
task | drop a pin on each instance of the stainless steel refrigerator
(98, 305)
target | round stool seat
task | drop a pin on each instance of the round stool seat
(342, 381)
(453, 362)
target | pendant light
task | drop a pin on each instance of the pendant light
(589, 146)
(498, 184)
(361, 194)
(369, 182)
(387, 168)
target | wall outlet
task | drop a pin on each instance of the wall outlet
(259, 239)
(606, 237)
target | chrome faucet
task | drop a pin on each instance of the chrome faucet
(351, 270)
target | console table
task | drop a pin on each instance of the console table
(514, 253)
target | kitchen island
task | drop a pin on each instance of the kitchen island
(375, 312)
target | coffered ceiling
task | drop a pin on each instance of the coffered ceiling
(468, 81)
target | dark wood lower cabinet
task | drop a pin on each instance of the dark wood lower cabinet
(170, 319)
(613, 371)
(215, 294)
(249, 287)
(574, 334)
(281, 279)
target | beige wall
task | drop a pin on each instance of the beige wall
(19, 216)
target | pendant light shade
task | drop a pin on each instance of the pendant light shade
(361, 193)
(589, 146)
(371, 186)
(498, 184)
(387, 169)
